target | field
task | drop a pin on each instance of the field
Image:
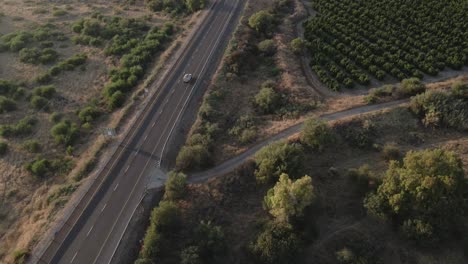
(353, 43)
(66, 71)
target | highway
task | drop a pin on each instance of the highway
(92, 233)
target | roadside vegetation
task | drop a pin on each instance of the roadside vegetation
(354, 42)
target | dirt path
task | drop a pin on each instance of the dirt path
(235, 162)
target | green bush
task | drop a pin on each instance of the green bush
(267, 47)
(89, 114)
(244, 130)
(297, 45)
(6, 104)
(358, 134)
(39, 102)
(175, 186)
(47, 91)
(21, 256)
(59, 13)
(3, 148)
(22, 128)
(55, 117)
(276, 159)
(391, 152)
(267, 100)
(364, 179)
(17, 40)
(32, 146)
(262, 21)
(65, 132)
(425, 195)
(40, 168)
(410, 87)
(460, 89)
(193, 157)
(36, 56)
(317, 134)
(277, 244)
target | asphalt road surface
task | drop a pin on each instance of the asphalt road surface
(92, 234)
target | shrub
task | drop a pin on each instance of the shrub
(22, 128)
(317, 134)
(267, 47)
(40, 168)
(210, 241)
(288, 199)
(195, 5)
(424, 195)
(364, 179)
(59, 13)
(39, 102)
(358, 134)
(190, 255)
(47, 91)
(262, 21)
(55, 117)
(267, 100)
(297, 45)
(175, 186)
(3, 148)
(36, 56)
(410, 87)
(116, 100)
(32, 146)
(88, 114)
(193, 157)
(460, 89)
(276, 159)
(391, 152)
(277, 244)
(21, 256)
(6, 104)
(65, 132)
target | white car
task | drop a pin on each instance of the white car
(187, 78)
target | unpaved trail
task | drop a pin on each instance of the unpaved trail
(235, 162)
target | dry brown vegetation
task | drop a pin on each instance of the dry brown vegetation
(29, 204)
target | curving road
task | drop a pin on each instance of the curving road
(236, 161)
(93, 231)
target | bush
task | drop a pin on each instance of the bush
(3, 148)
(317, 134)
(358, 134)
(32, 146)
(175, 186)
(116, 100)
(288, 199)
(22, 128)
(193, 157)
(391, 152)
(460, 89)
(210, 241)
(88, 114)
(410, 87)
(364, 179)
(55, 117)
(190, 255)
(277, 244)
(65, 132)
(47, 91)
(262, 22)
(195, 5)
(36, 56)
(21, 256)
(40, 168)
(6, 104)
(39, 102)
(267, 100)
(297, 46)
(425, 195)
(267, 47)
(276, 159)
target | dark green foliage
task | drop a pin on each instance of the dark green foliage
(43, 168)
(36, 56)
(175, 187)
(190, 255)
(17, 40)
(424, 195)
(262, 22)
(89, 114)
(391, 152)
(6, 104)
(317, 134)
(55, 117)
(297, 45)
(364, 179)
(22, 128)
(267, 100)
(66, 65)
(175, 6)
(164, 223)
(267, 47)
(47, 91)
(210, 242)
(352, 40)
(10, 89)
(409, 87)
(193, 157)
(21, 256)
(244, 130)
(39, 102)
(65, 132)
(460, 89)
(3, 148)
(194, 5)
(277, 244)
(441, 109)
(278, 158)
(32, 146)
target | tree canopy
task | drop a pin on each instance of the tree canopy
(316, 134)
(261, 21)
(424, 195)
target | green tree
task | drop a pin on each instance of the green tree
(277, 244)
(262, 21)
(267, 100)
(297, 45)
(288, 199)
(267, 47)
(317, 134)
(175, 186)
(276, 159)
(424, 195)
(65, 132)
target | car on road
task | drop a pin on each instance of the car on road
(187, 78)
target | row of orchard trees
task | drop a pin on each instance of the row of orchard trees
(351, 41)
